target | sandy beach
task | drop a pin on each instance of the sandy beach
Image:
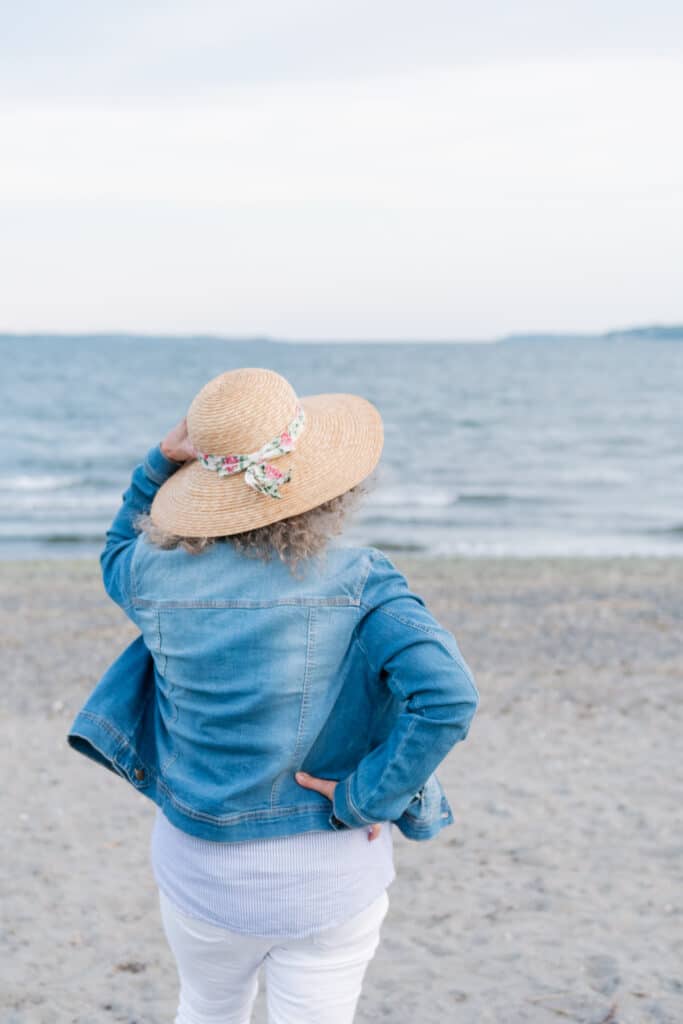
(556, 896)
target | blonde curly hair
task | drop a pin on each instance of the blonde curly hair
(293, 540)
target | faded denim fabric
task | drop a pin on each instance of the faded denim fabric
(244, 674)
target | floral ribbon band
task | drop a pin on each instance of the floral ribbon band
(258, 471)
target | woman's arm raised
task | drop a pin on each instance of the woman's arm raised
(160, 463)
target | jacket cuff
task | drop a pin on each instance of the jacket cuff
(159, 468)
(343, 808)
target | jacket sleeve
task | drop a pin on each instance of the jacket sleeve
(420, 662)
(117, 555)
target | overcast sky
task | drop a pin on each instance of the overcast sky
(315, 169)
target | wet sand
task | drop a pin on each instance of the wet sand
(557, 894)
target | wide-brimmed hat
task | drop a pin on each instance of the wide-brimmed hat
(265, 454)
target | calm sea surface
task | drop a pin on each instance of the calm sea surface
(515, 448)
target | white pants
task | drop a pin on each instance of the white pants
(316, 980)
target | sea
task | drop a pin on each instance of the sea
(522, 448)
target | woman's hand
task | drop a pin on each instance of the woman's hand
(177, 446)
(327, 788)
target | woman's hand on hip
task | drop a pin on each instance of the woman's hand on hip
(177, 446)
(327, 788)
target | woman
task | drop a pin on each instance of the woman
(287, 701)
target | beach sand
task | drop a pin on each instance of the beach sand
(556, 896)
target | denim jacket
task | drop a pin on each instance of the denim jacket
(244, 674)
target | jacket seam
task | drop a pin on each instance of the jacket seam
(110, 762)
(305, 696)
(151, 473)
(162, 657)
(432, 633)
(401, 618)
(354, 806)
(137, 721)
(360, 643)
(265, 814)
(157, 620)
(105, 724)
(303, 708)
(133, 578)
(361, 586)
(297, 602)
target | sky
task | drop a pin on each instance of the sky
(309, 169)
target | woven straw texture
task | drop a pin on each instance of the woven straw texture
(238, 412)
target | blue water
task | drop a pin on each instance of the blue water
(517, 448)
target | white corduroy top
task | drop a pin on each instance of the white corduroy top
(289, 886)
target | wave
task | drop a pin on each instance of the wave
(426, 497)
(502, 498)
(599, 474)
(397, 497)
(39, 482)
(397, 545)
(55, 502)
(53, 538)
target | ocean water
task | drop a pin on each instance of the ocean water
(521, 448)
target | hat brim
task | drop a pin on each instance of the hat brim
(339, 447)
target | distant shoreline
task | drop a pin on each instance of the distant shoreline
(651, 332)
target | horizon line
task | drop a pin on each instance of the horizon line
(674, 328)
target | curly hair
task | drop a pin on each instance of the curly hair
(293, 539)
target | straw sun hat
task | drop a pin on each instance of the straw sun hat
(264, 454)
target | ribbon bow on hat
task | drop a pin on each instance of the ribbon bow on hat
(258, 471)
